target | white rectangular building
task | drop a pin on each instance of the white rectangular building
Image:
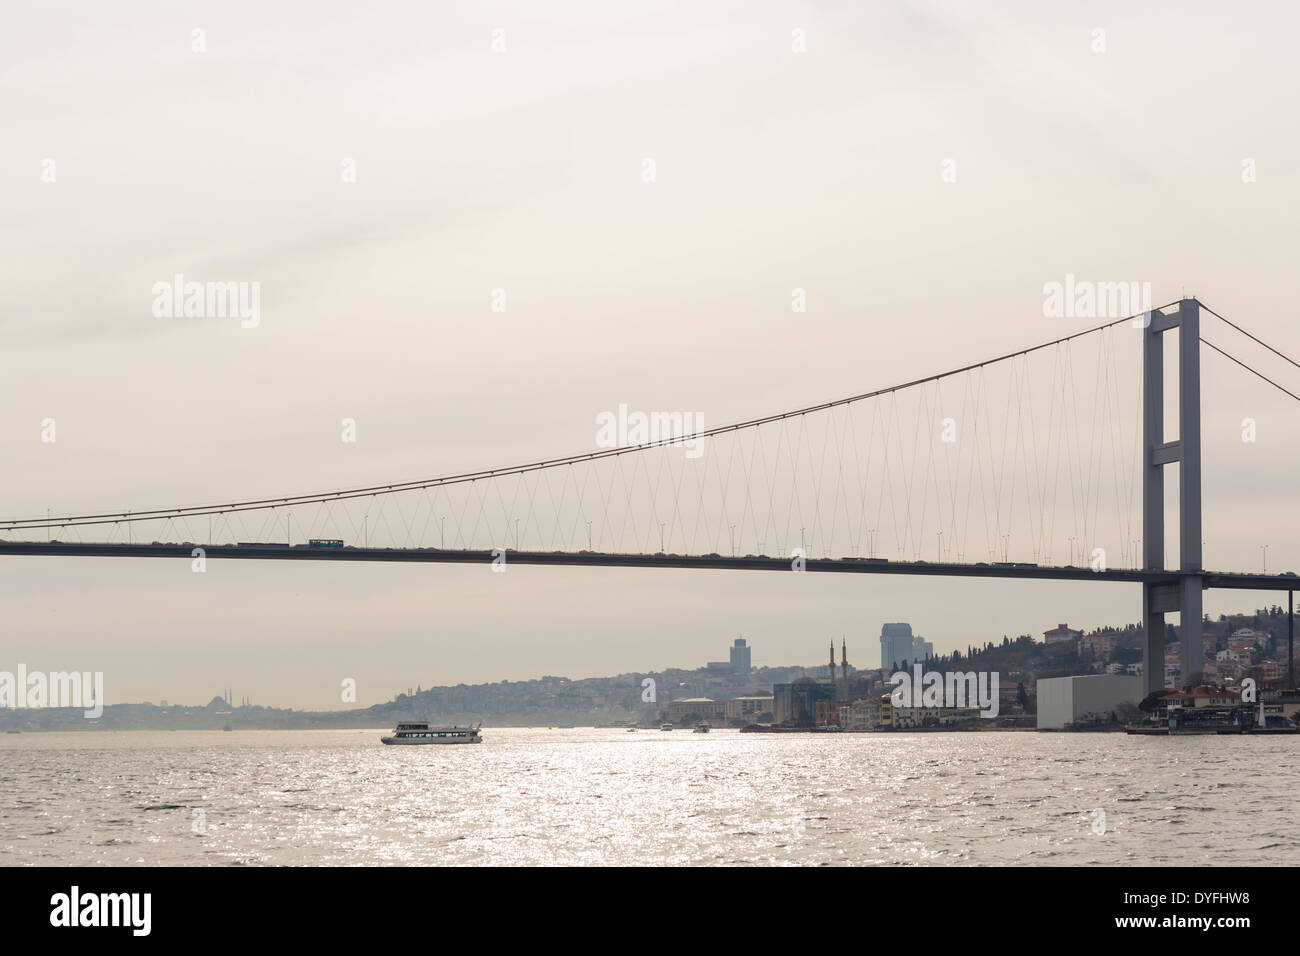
(1064, 700)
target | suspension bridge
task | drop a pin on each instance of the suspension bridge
(1045, 464)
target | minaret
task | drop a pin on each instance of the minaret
(844, 669)
(832, 663)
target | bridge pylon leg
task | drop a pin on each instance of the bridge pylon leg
(1153, 642)
(1185, 597)
(1189, 616)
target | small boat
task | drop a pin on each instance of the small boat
(227, 728)
(422, 733)
(666, 727)
(701, 729)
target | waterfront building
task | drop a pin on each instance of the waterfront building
(865, 714)
(795, 703)
(747, 709)
(692, 708)
(1278, 708)
(876, 713)
(1066, 700)
(1204, 696)
(827, 713)
(911, 718)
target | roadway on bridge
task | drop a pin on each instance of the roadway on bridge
(284, 552)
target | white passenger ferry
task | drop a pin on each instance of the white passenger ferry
(424, 734)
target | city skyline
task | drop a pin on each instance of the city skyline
(867, 659)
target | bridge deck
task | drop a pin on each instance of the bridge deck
(283, 552)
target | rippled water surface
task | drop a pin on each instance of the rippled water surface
(646, 798)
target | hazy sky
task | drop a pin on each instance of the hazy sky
(523, 170)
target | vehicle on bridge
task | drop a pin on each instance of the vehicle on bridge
(325, 543)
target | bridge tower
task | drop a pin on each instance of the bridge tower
(1184, 594)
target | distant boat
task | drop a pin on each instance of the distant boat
(422, 733)
(227, 727)
(701, 729)
(666, 727)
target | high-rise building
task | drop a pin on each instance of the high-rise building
(740, 658)
(899, 646)
(896, 645)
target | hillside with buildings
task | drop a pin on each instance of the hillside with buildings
(734, 693)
